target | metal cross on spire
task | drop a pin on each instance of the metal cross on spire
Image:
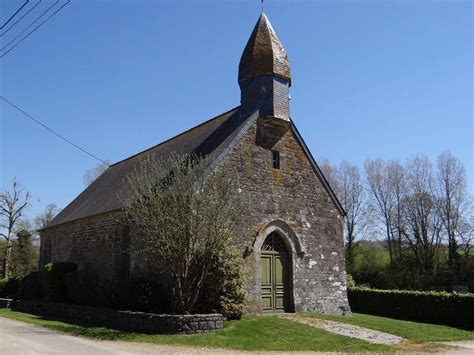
(261, 2)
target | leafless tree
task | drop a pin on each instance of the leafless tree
(91, 175)
(187, 216)
(12, 205)
(466, 236)
(348, 186)
(397, 183)
(381, 197)
(330, 173)
(43, 218)
(422, 223)
(452, 200)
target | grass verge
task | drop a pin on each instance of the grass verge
(421, 332)
(264, 333)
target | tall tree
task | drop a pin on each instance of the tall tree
(422, 223)
(24, 254)
(452, 201)
(381, 198)
(348, 186)
(12, 205)
(466, 235)
(396, 174)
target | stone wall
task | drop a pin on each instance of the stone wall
(99, 244)
(5, 302)
(122, 320)
(292, 201)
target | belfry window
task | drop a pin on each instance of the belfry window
(275, 159)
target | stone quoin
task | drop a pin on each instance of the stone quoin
(291, 238)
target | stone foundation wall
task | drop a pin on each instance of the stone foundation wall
(123, 320)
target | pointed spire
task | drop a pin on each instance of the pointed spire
(264, 54)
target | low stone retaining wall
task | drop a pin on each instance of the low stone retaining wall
(124, 320)
(5, 302)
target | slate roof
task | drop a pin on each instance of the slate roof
(103, 195)
(264, 54)
(214, 137)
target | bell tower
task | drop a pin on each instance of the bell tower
(264, 74)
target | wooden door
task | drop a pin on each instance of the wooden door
(275, 269)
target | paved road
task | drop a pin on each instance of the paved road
(25, 339)
(22, 338)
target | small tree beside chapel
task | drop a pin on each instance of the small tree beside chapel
(183, 216)
(12, 205)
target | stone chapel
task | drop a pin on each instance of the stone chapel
(292, 241)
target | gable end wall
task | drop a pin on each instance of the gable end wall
(294, 195)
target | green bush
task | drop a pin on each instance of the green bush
(9, 288)
(83, 288)
(224, 290)
(31, 286)
(132, 294)
(350, 281)
(3, 282)
(54, 281)
(452, 309)
(232, 295)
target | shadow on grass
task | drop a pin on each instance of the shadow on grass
(68, 325)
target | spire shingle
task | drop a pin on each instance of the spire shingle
(264, 54)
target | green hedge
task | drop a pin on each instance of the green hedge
(54, 280)
(31, 286)
(9, 288)
(452, 309)
(133, 294)
(128, 294)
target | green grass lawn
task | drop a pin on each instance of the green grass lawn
(414, 331)
(268, 333)
(250, 333)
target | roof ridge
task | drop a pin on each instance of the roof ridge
(174, 137)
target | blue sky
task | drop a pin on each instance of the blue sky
(370, 79)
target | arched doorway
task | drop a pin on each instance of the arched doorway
(275, 274)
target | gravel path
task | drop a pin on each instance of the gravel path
(463, 344)
(348, 330)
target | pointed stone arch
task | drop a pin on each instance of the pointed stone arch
(295, 252)
(285, 232)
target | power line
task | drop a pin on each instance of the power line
(16, 12)
(31, 24)
(21, 18)
(51, 130)
(34, 29)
